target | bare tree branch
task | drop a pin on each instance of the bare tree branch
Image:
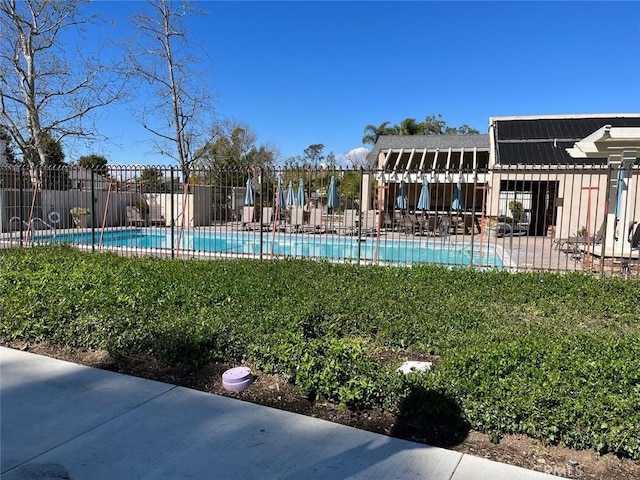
(180, 108)
(45, 88)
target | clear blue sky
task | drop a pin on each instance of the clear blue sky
(301, 73)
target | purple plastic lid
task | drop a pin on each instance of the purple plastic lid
(237, 379)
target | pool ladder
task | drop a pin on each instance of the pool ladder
(29, 225)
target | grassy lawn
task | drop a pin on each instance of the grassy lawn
(556, 357)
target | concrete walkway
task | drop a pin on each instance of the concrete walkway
(65, 421)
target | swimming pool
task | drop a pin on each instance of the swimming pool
(337, 248)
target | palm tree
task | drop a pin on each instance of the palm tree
(409, 126)
(372, 133)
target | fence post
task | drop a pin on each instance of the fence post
(172, 219)
(360, 205)
(20, 203)
(93, 213)
(605, 227)
(260, 207)
(473, 213)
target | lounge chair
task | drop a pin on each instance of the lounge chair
(264, 223)
(296, 219)
(267, 219)
(574, 243)
(155, 217)
(349, 223)
(512, 229)
(331, 225)
(134, 217)
(369, 223)
(248, 217)
(315, 224)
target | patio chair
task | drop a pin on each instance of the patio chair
(469, 224)
(134, 217)
(444, 224)
(457, 225)
(387, 222)
(634, 237)
(432, 226)
(413, 224)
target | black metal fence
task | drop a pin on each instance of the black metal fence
(569, 218)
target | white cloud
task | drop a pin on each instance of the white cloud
(356, 157)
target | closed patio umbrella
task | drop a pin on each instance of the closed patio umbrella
(291, 199)
(332, 195)
(401, 199)
(424, 201)
(300, 198)
(457, 203)
(248, 196)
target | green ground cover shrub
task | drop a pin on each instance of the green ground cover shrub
(556, 357)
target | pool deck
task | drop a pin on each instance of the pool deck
(65, 421)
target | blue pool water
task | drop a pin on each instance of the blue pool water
(331, 247)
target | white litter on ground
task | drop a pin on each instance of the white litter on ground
(415, 366)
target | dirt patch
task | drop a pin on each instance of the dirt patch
(275, 392)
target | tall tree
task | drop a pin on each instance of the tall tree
(95, 162)
(46, 86)
(151, 180)
(181, 107)
(330, 160)
(235, 145)
(234, 150)
(314, 155)
(9, 154)
(53, 153)
(54, 175)
(433, 125)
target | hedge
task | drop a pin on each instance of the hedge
(555, 357)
